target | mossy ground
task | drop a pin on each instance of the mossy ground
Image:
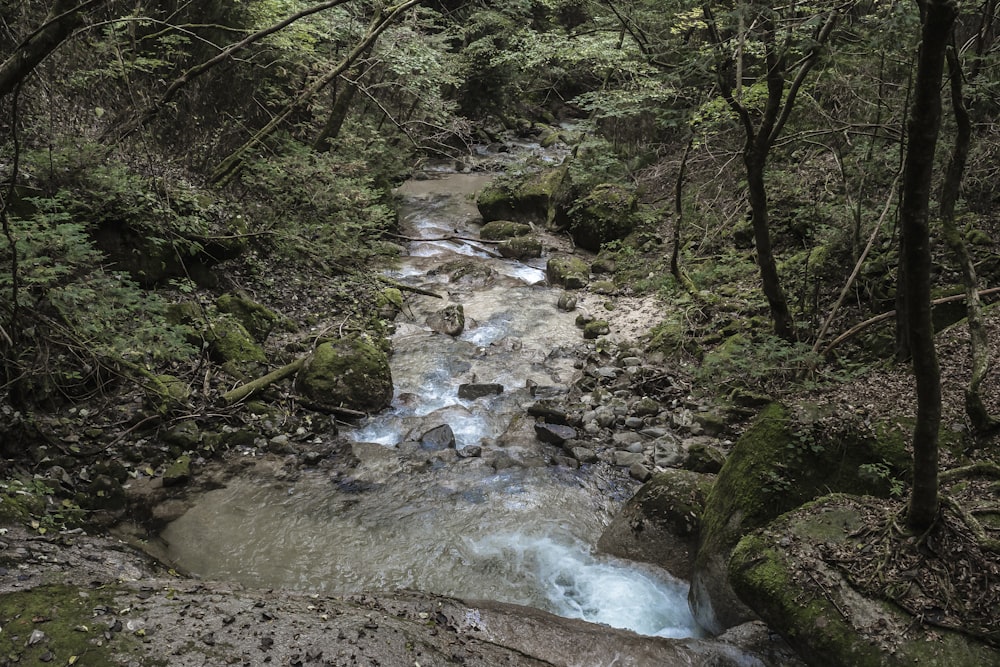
(67, 627)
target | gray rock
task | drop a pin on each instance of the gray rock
(472, 391)
(627, 459)
(634, 422)
(438, 438)
(624, 439)
(585, 455)
(639, 472)
(646, 407)
(555, 434)
(668, 452)
(566, 302)
(450, 320)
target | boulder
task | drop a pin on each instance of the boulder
(566, 270)
(533, 198)
(778, 464)
(230, 342)
(520, 248)
(660, 523)
(501, 230)
(555, 434)
(606, 213)
(349, 373)
(178, 472)
(783, 573)
(450, 320)
(255, 318)
(567, 302)
(596, 329)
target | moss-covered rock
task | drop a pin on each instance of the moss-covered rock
(178, 472)
(596, 329)
(230, 342)
(522, 247)
(348, 373)
(532, 199)
(778, 464)
(255, 318)
(568, 271)
(660, 523)
(499, 230)
(782, 573)
(605, 214)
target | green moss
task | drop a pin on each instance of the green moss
(596, 329)
(498, 230)
(675, 499)
(522, 247)
(568, 271)
(229, 341)
(255, 318)
(606, 213)
(350, 373)
(72, 633)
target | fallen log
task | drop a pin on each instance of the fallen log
(239, 393)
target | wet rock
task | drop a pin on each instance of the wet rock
(500, 230)
(548, 412)
(104, 493)
(646, 407)
(567, 302)
(626, 439)
(634, 422)
(668, 452)
(555, 434)
(521, 248)
(472, 391)
(584, 454)
(470, 452)
(660, 523)
(438, 438)
(450, 320)
(639, 472)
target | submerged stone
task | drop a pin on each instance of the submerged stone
(450, 320)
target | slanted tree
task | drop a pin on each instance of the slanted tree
(761, 132)
(937, 18)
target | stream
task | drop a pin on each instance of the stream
(489, 519)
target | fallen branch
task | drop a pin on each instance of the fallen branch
(857, 328)
(408, 288)
(239, 393)
(981, 469)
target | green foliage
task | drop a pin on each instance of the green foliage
(762, 362)
(320, 206)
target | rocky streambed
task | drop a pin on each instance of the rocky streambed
(505, 459)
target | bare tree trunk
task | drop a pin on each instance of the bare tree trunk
(63, 18)
(979, 350)
(925, 122)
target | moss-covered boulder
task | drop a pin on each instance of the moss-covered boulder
(778, 464)
(660, 523)
(531, 199)
(568, 271)
(499, 230)
(348, 373)
(230, 342)
(165, 393)
(596, 329)
(783, 573)
(255, 318)
(520, 248)
(605, 214)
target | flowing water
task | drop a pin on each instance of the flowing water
(493, 523)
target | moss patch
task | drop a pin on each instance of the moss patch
(65, 626)
(349, 373)
(255, 318)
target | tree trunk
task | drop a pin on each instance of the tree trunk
(925, 121)
(979, 350)
(338, 114)
(770, 281)
(64, 17)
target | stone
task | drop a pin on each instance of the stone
(704, 458)
(438, 438)
(568, 271)
(584, 454)
(639, 472)
(230, 342)
(533, 198)
(596, 329)
(660, 523)
(548, 412)
(105, 493)
(627, 459)
(255, 318)
(350, 373)
(668, 452)
(554, 434)
(606, 213)
(500, 230)
(567, 302)
(472, 391)
(450, 320)
(646, 406)
(634, 422)
(521, 248)
(178, 472)
(184, 435)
